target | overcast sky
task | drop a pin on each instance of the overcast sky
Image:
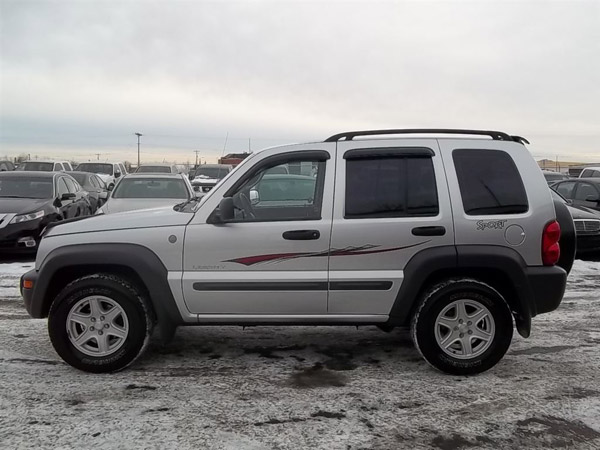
(80, 77)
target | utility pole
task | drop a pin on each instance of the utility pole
(97, 156)
(138, 135)
(196, 151)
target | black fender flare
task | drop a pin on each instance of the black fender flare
(83, 258)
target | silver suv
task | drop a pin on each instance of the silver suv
(451, 236)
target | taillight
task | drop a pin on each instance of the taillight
(550, 246)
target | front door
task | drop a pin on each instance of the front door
(272, 259)
(391, 202)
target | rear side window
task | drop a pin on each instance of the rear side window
(489, 182)
(390, 187)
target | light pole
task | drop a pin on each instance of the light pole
(138, 135)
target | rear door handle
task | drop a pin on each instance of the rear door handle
(429, 231)
(301, 235)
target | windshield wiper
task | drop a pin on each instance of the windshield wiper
(180, 206)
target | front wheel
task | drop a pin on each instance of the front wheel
(100, 323)
(462, 326)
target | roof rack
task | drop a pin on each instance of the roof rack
(495, 135)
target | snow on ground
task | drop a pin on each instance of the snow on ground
(306, 387)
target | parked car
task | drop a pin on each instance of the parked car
(45, 166)
(553, 177)
(108, 172)
(143, 191)
(590, 172)
(29, 201)
(6, 166)
(587, 225)
(206, 176)
(157, 168)
(581, 191)
(453, 237)
(93, 184)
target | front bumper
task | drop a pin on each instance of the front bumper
(11, 233)
(587, 243)
(28, 294)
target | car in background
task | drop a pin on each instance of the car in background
(206, 176)
(93, 184)
(29, 201)
(143, 191)
(587, 225)
(581, 191)
(157, 168)
(40, 165)
(109, 172)
(590, 172)
(6, 166)
(552, 177)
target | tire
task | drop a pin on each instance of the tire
(123, 314)
(436, 325)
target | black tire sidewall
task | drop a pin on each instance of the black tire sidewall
(424, 332)
(120, 292)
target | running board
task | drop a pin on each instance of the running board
(295, 319)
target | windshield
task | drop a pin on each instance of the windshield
(212, 172)
(26, 187)
(37, 166)
(106, 169)
(151, 188)
(80, 177)
(153, 169)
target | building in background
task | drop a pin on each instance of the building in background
(233, 158)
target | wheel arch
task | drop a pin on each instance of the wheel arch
(135, 263)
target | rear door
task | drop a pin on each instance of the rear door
(391, 202)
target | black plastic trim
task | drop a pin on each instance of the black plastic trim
(496, 135)
(360, 285)
(252, 286)
(389, 152)
(141, 260)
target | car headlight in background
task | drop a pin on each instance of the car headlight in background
(99, 212)
(27, 217)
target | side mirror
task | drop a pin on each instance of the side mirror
(67, 196)
(110, 187)
(196, 188)
(254, 197)
(592, 198)
(117, 174)
(224, 213)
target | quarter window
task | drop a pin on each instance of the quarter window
(489, 182)
(390, 187)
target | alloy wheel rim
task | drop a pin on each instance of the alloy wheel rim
(97, 326)
(465, 329)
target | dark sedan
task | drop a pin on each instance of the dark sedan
(581, 191)
(31, 200)
(95, 187)
(587, 226)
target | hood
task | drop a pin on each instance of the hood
(147, 218)
(581, 212)
(117, 205)
(104, 177)
(22, 205)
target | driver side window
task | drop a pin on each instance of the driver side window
(286, 191)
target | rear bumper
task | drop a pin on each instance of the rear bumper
(33, 308)
(547, 286)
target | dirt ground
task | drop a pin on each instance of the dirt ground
(305, 387)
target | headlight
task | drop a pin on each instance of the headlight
(28, 217)
(99, 212)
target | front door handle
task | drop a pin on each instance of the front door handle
(429, 231)
(301, 235)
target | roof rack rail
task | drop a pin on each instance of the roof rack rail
(496, 135)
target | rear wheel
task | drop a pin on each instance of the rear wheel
(100, 323)
(462, 326)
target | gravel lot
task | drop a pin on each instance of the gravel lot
(305, 387)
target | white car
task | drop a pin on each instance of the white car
(144, 191)
(40, 165)
(157, 168)
(590, 172)
(109, 172)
